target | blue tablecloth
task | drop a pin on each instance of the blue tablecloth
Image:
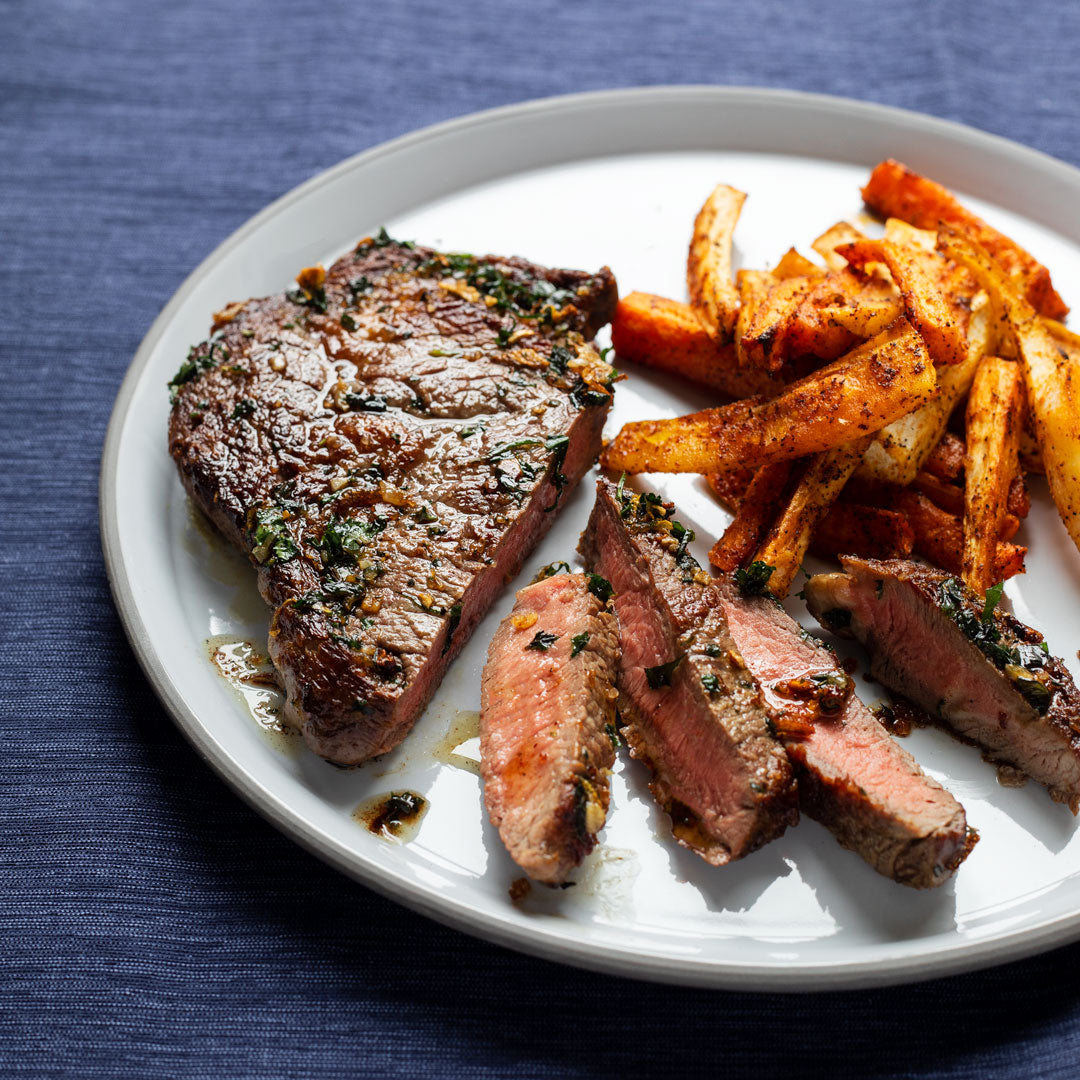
(151, 925)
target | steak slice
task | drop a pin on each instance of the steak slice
(387, 443)
(985, 675)
(547, 725)
(691, 711)
(853, 777)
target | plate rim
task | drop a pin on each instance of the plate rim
(628, 962)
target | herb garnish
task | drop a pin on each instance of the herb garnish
(600, 587)
(542, 641)
(551, 570)
(754, 580)
(1015, 662)
(342, 540)
(711, 683)
(244, 407)
(273, 544)
(365, 402)
(578, 642)
(991, 601)
(661, 674)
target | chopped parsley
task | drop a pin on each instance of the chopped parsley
(754, 580)
(711, 683)
(273, 544)
(600, 587)
(244, 407)
(578, 642)
(343, 540)
(661, 674)
(551, 570)
(542, 641)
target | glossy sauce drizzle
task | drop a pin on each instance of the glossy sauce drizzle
(394, 815)
(254, 680)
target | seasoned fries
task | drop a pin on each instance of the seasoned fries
(843, 232)
(899, 450)
(815, 492)
(1051, 377)
(708, 265)
(858, 394)
(757, 506)
(939, 319)
(893, 190)
(668, 335)
(848, 380)
(993, 437)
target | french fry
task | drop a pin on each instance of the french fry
(894, 190)
(708, 264)
(792, 264)
(730, 487)
(753, 287)
(666, 334)
(939, 536)
(917, 274)
(843, 232)
(848, 528)
(860, 393)
(900, 449)
(870, 532)
(762, 335)
(940, 492)
(946, 460)
(863, 306)
(993, 436)
(898, 231)
(1019, 501)
(789, 538)
(757, 507)
(1051, 377)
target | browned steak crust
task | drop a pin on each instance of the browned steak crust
(692, 712)
(985, 675)
(388, 444)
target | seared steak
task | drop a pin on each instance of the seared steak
(547, 724)
(691, 711)
(853, 778)
(388, 442)
(981, 672)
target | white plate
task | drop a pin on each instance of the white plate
(580, 181)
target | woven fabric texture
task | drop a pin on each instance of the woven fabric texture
(151, 925)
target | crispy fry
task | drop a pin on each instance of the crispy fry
(894, 190)
(901, 448)
(792, 264)
(757, 507)
(843, 232)
(762, 337)
(939, 536)
(752, 286)
(858, 394)
(946, 460)
(898, 231)
(730, 487)
(993, 435)
(1019, 501)
(940, 492)
(668, 335)
(708, 264)
(1051, 377)
(867, 531)
(861, 305)
(917, 275)
(787, 541)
